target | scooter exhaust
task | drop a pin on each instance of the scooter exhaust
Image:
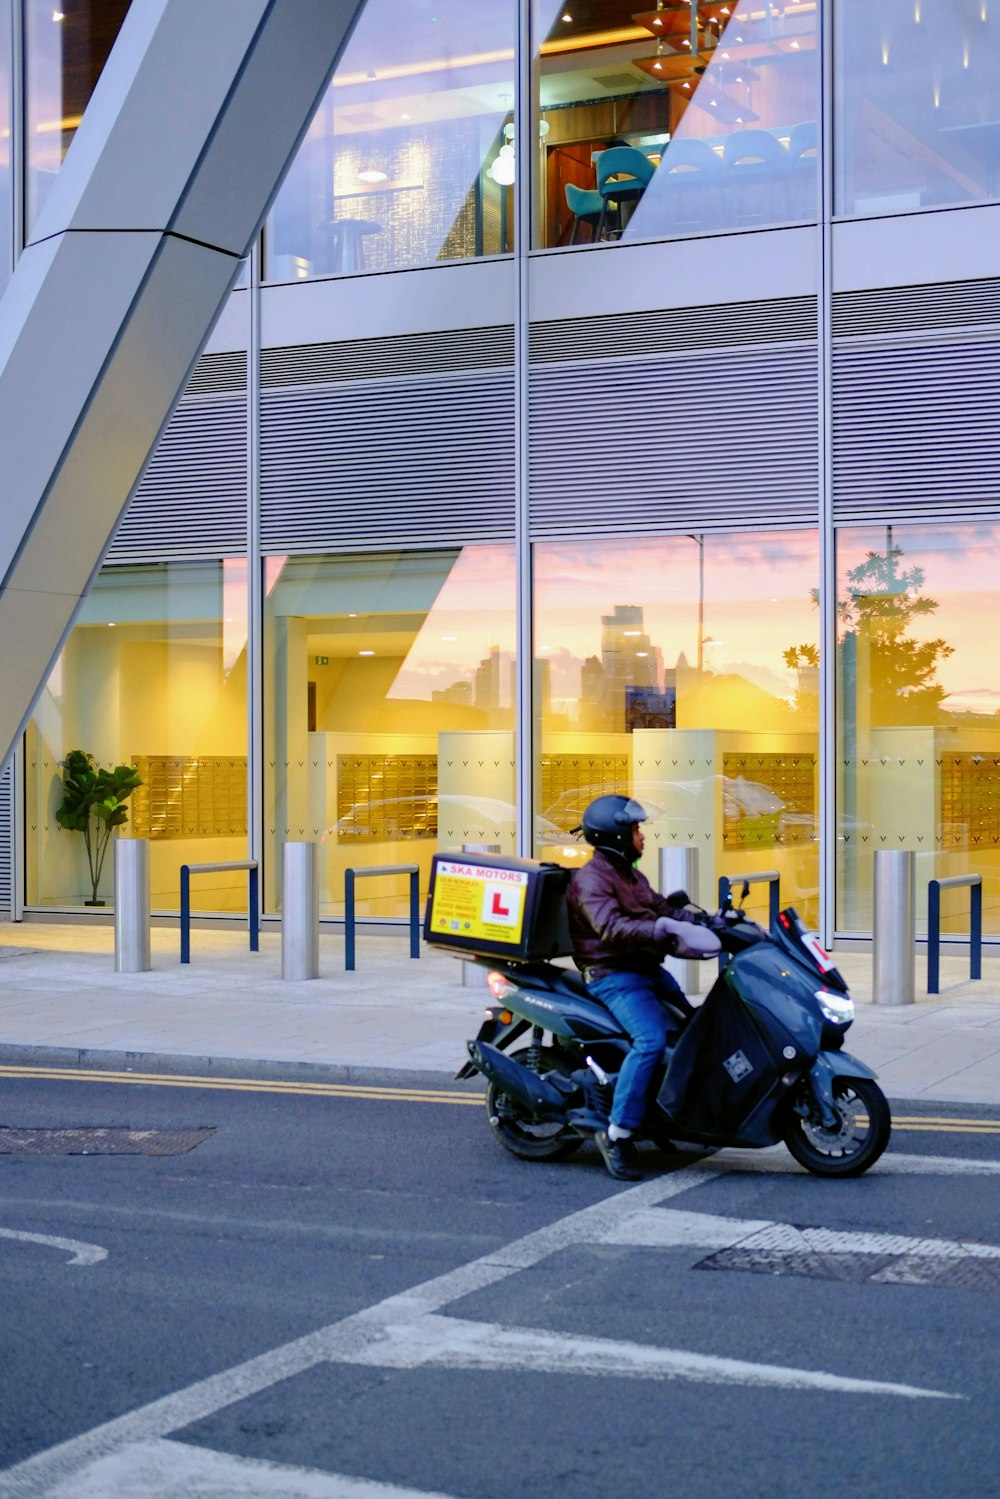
(519, 1083)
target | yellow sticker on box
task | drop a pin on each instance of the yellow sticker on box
(476, 900)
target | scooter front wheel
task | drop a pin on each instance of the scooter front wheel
(857, 1139)
(528, 1138)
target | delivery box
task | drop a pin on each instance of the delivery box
(498, 907)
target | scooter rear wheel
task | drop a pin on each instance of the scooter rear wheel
(858, 1139)
(518, 1132)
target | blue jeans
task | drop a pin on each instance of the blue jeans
(635, 1000)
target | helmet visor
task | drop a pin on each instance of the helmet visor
(632, 811)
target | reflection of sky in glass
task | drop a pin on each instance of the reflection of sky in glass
(473, 612)
(757, 601)
(961, 565)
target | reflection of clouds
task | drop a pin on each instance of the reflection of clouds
(960, 566)
(664, 570)
(984, 700)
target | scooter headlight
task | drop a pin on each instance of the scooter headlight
(837, 1008)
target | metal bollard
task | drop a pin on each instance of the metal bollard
(474, 977)
(132, 953)
(895, 927)
(300, 912)
(679, 871)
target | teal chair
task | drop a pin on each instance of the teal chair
(585, 206)
(623, 174)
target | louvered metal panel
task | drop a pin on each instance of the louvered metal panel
(403, 355)
(915, 430)
(215, 373)
(402, 462)
(192, 501)
(7, 845)
(696, 441)
(900, 309)
(672, 329)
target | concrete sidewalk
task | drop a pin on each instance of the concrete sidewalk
(59, 992)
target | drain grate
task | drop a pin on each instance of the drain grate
(100, 1141)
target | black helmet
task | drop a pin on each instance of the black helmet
(608, 824)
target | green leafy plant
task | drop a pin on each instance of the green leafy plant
(93, 804)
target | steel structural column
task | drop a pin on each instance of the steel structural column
(827, 553)
(193, 123)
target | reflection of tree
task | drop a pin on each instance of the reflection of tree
(876, 616)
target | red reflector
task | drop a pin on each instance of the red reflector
(785, 921)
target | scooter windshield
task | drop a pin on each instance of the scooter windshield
(793, 934)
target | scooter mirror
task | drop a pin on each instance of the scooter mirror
(745, 891)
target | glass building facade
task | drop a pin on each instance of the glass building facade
(607, 407)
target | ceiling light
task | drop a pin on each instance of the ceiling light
(449, 637)
(795, 46)
(566, 16)
(404, 117)
(372, 174)
(366, 653)
(658, 67)
(58, 15)
(111, 624)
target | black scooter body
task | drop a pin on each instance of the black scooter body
(730, 1074)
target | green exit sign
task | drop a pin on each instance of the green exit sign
(322, 661)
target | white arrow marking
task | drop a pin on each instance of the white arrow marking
(451, 1343)
(175, 1470)
(83, 1254)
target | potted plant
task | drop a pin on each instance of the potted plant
(94, 804)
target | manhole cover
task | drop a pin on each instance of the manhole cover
(100, 1141)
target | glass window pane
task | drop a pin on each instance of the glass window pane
(917, 104)
(6, 227)
(389, 713)
(712, 109)
(153, 675)
(409, 159)
(66, 46)
(918, 719)
(684, 671)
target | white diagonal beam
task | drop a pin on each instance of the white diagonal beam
(193, 122)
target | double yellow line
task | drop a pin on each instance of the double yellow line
(242, 1085)
(946, 1126)
(920, 1123)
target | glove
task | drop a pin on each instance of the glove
(687, 939)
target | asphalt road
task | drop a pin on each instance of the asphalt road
(338, 1288)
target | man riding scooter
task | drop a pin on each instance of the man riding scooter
(621, 930)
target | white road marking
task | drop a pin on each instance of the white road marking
(175, 1470)
(83, 1254)
(666, 1228)
(451, 1343)
(776, 1158)
(353, 1338)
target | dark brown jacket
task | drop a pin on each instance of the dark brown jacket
(612, 913)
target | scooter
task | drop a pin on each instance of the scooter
(760, 1061)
